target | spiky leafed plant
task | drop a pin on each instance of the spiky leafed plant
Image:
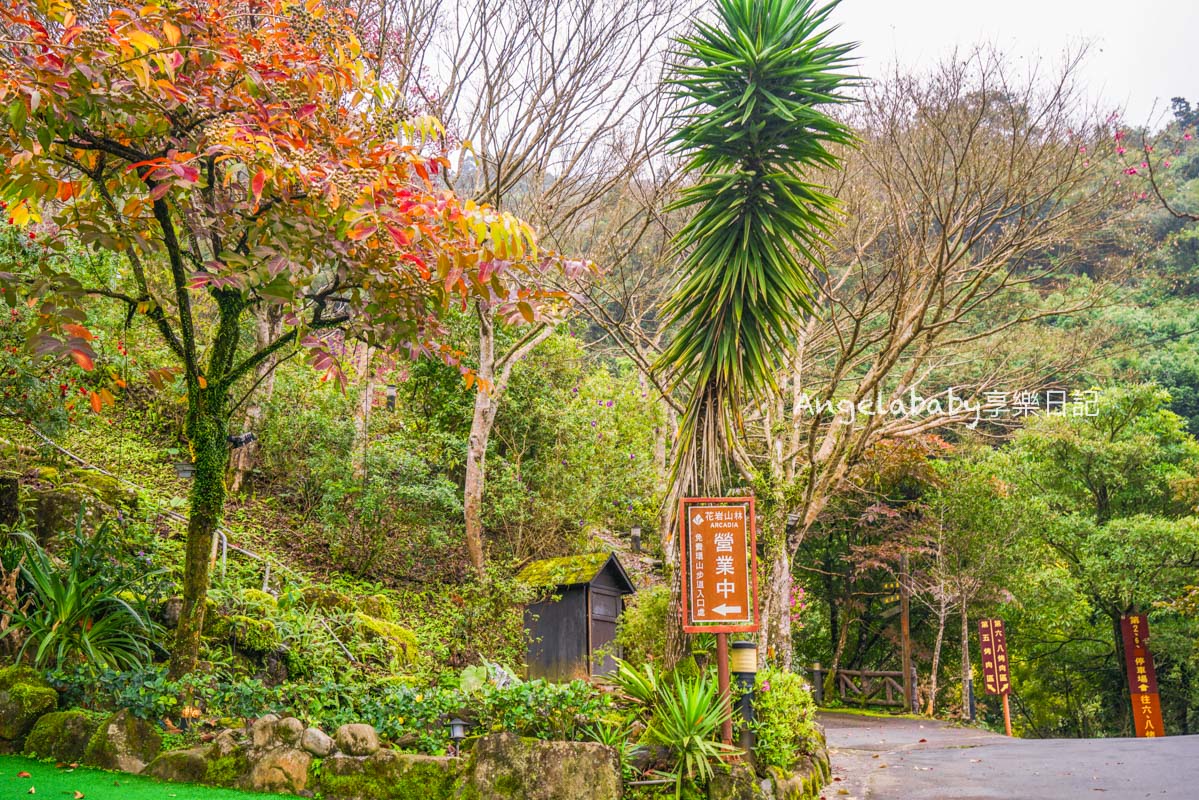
(751, 87)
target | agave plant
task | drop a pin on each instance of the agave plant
(687, 719)
(639, 686)
(617, 734)
(73, 614)
(751, 87)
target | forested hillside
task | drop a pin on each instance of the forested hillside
(385, 447)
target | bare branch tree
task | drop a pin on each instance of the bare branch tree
(559, 109)
(970, 189)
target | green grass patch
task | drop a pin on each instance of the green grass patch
(51, 781)
(868, 712)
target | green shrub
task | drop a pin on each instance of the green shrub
(641, 633)
(79, 611)
(784, 718)
(540, 709)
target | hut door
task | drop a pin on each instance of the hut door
(605, 608)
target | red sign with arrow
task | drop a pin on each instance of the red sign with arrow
(720, 586)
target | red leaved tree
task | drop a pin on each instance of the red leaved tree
(239, 157)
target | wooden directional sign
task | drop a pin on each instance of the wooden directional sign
(720, 576)
(992, 642)
(1142, 679)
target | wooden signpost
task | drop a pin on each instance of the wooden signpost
(992, 641)
(720, 576)
(1142, 679)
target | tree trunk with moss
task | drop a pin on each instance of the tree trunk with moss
(206, 432)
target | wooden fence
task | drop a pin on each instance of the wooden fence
(863, 687)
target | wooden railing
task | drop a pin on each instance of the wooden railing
(864, 687)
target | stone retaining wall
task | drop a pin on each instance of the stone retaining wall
(282, 755)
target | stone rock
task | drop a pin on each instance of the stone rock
(262, 732)
(789, 785)
(289, 730)
(283, 769)
(400, 641)
(62, 495)
(24, 697)
(229, 761)
(736, 782)
(123, 742)
(317, 742)
(320, 598)
(505, 766)
(388, 775)
(357, 739)
(180, 766)
(61, 735)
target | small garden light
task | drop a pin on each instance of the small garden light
(457, 733)
(744, 667)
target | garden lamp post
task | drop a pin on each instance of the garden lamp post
(457, 734)
(744, 667)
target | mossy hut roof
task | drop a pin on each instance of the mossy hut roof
(569, 570)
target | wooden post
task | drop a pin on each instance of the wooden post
(1007, 717)
(722, 684)
(905, 631)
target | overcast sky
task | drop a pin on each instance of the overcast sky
(1142, 51)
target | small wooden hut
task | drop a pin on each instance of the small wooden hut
(572, 628)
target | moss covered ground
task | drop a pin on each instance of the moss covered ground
(49, 780)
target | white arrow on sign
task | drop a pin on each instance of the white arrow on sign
(724, 610)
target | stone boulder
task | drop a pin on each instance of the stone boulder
(399, 641)
(284, 769)
(357, 739)
(123, 743)
(317, 742)
(24, 698)
(388, 775)
(737, 782)
(288, 731)
(60, 496)
(61, 735)
(505, 766)
(229, 761)
(180, 766)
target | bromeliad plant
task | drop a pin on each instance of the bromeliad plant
(751, 86)
(73, 614)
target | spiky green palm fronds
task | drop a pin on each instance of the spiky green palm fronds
(752, 87)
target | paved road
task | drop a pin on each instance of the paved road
(906, 759)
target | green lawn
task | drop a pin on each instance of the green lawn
(52, 783)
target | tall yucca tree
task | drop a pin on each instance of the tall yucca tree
(751, 87)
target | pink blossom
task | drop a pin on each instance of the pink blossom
(1130, 171)
(1120, 150)
(1166, 164)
